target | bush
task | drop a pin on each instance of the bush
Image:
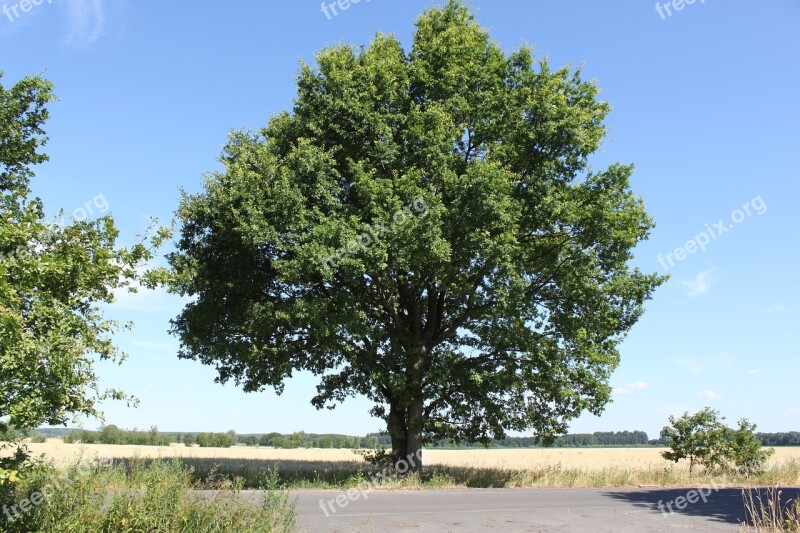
(142, 497)
(704, 439)
(10, 434)
(20, 477)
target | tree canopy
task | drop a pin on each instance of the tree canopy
(52, 279)
(422, 228)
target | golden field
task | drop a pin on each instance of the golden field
(511, 459)
(494, 468)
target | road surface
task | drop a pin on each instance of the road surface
(533, 510)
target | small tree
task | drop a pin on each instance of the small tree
(110, 435)
(53, 279)
(152, 436)
(704, 439)
(697, 437)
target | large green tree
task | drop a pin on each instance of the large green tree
(52, 279)
(422, 229)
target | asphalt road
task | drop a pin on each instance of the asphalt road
(560, 510)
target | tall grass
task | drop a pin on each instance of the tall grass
(332, 475)
(767, 513)
(146, 497)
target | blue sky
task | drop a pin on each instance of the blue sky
(704, 103)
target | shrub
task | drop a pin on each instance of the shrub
(704, 439)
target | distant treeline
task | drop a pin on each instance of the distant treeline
(571, 440)
(301, 439)
(598, 438)
(113, 435)
(790, 438)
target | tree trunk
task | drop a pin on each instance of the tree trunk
(414, 436)
(398, 433)
(405, 429)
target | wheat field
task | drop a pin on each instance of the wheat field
(340, 468)
(512, 459)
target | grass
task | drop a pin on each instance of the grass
(338, 475)
(141, 496)
(766, 512)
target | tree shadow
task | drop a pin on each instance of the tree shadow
(719, 504)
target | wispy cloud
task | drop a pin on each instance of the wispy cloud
(777, 309)
(701, 283)
(150, 345)
(709, 395)
(631, 387)
(87, 20)
(695, 366)
(675, 410)
(698, 365)
(753, 371)
(793, 410)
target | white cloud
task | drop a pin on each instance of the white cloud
(630, 387)
(87, 20)
(753, 371)
(709, 395)
(154, 301)
(701, 283)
